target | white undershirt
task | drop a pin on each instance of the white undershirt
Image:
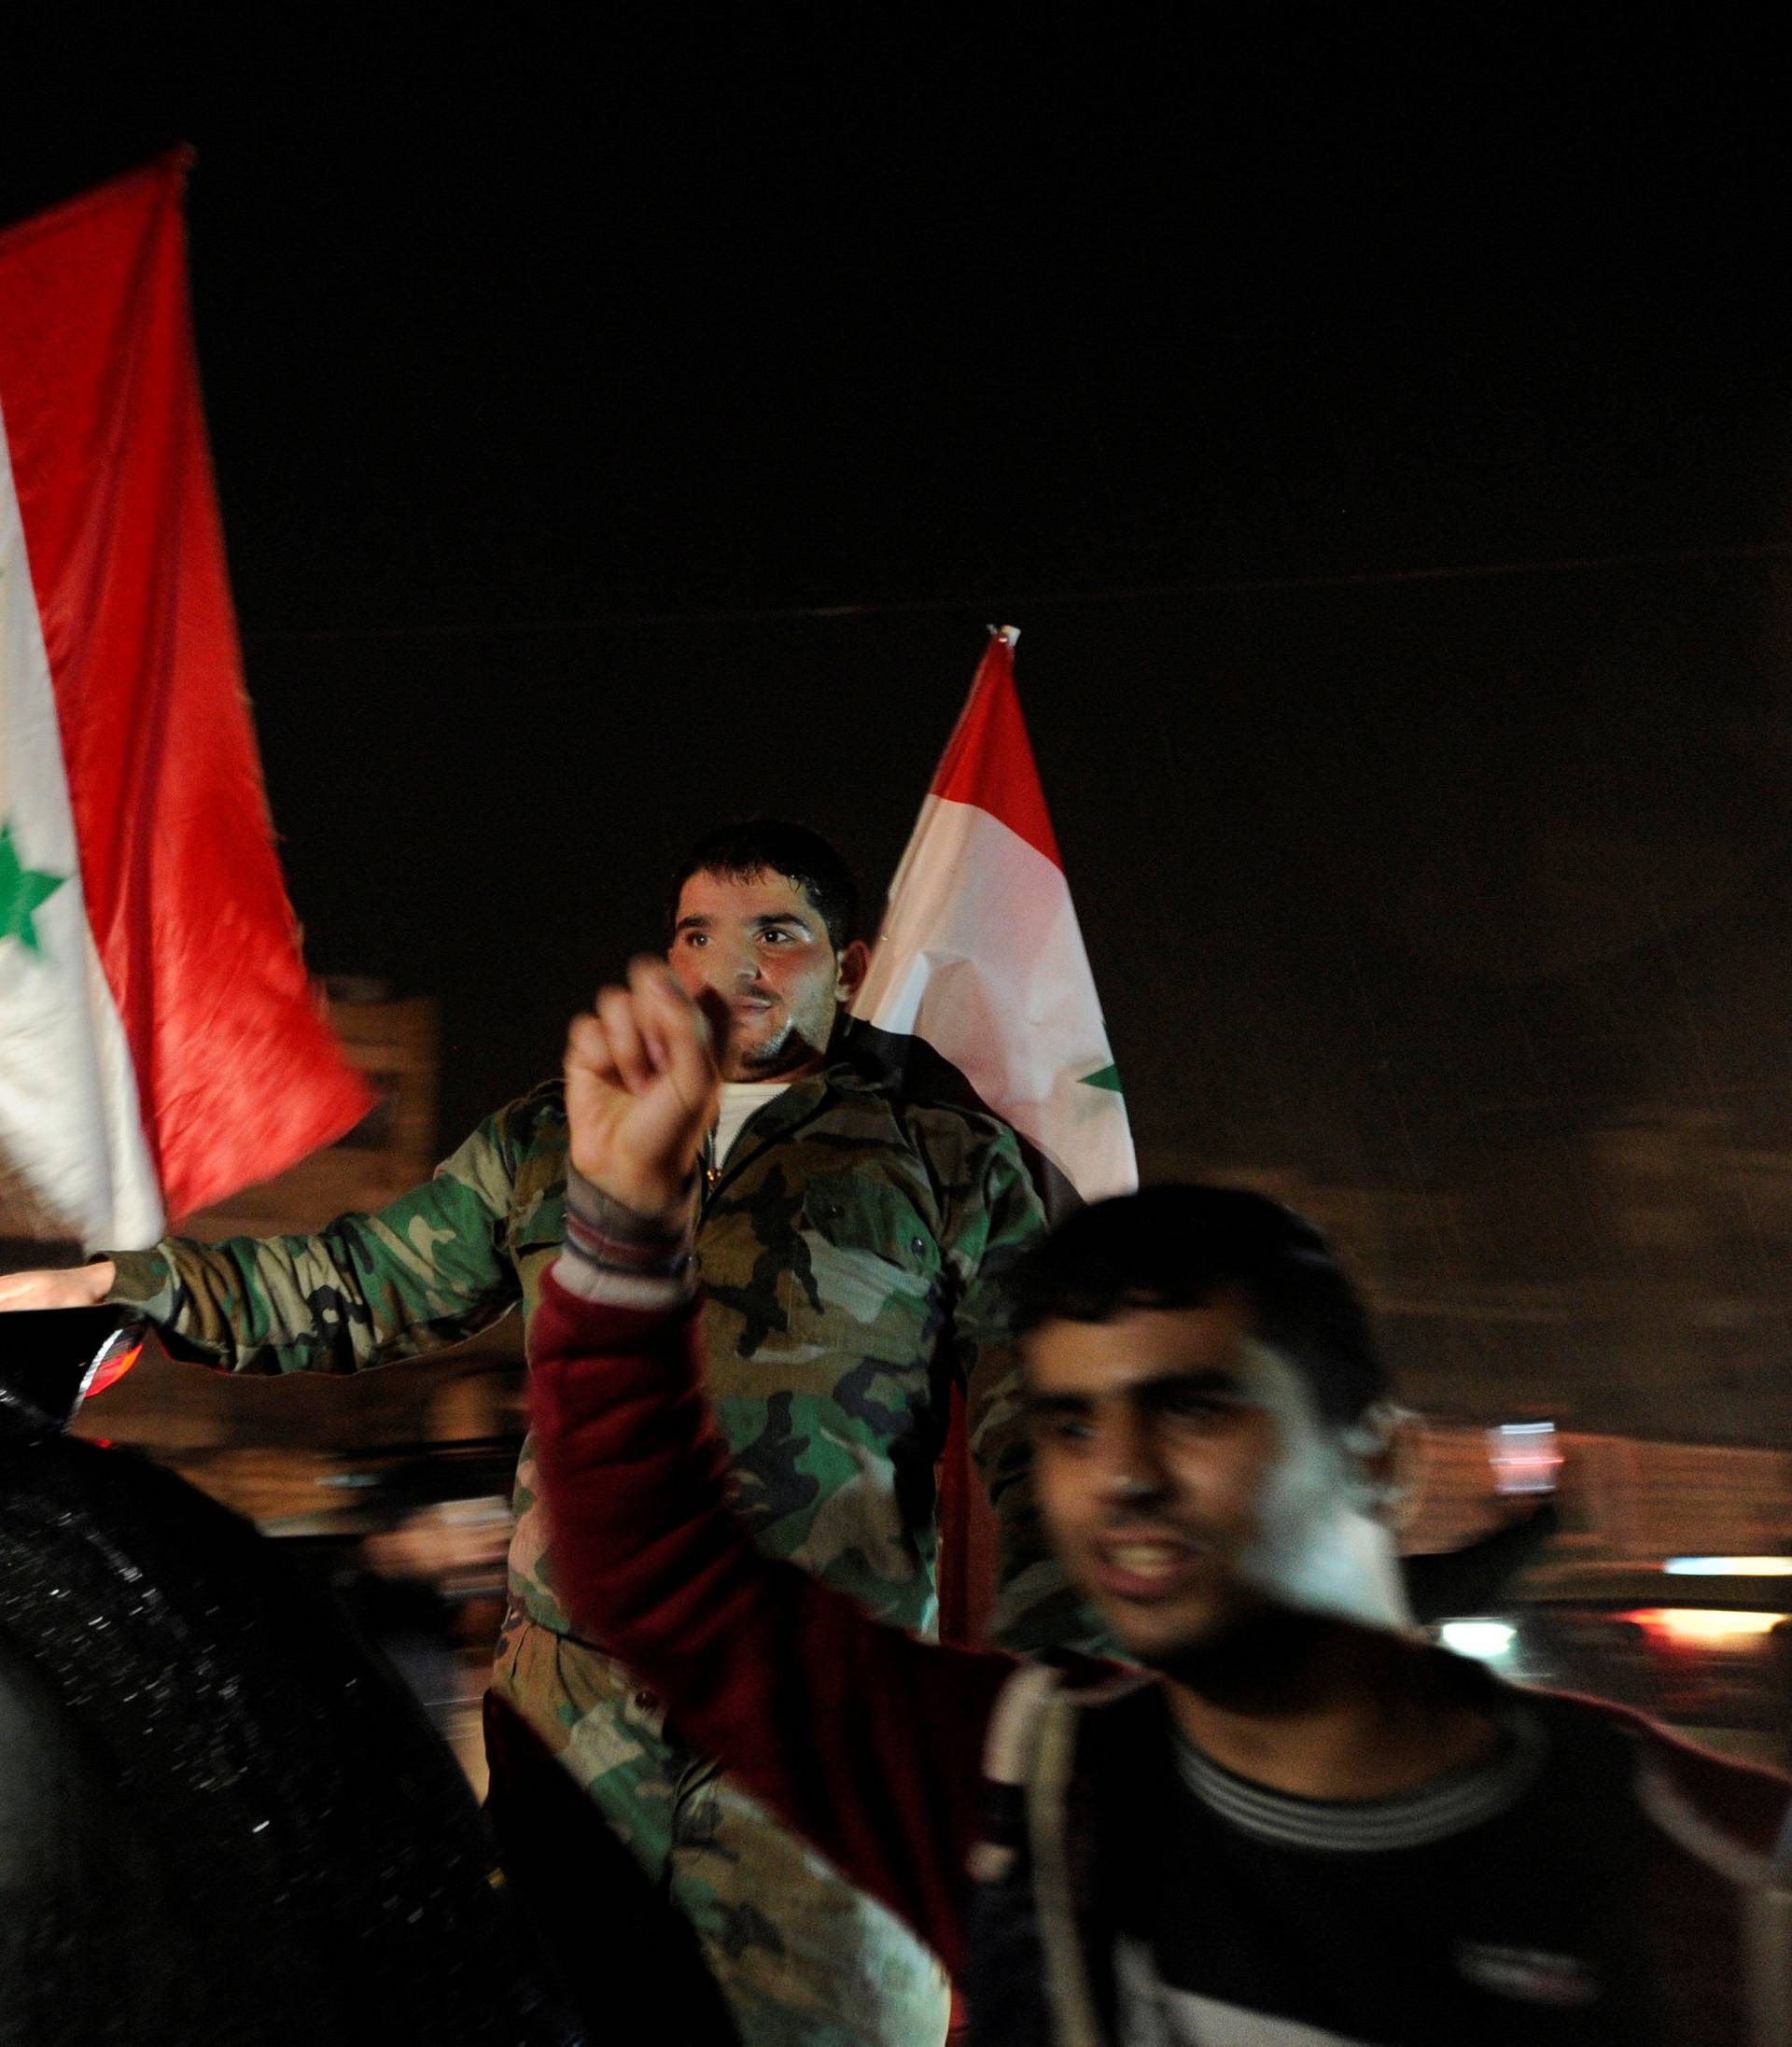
(741, 1099)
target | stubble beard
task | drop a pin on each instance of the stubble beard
(786, 1052)
(785, 1055)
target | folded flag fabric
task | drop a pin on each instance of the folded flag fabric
(981, 958)
(160, 1044)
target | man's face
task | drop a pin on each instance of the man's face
(1189, 1481)
(760, 947)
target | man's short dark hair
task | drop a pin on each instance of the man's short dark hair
(763, 846)
(1180, 1247)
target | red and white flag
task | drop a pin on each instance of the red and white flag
(159, 1045)
(980, 956)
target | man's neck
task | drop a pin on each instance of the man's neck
(774, 1077)
(1323, 1710)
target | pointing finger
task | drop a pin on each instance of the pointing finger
(678, 1024)
(616, 1010)
(588, 1047)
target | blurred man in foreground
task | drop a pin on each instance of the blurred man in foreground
(1306, 1826)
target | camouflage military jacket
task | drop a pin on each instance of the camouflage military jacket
(851, 1252)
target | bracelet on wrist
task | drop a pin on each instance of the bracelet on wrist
(604, 1233)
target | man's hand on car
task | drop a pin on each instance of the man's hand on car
(69, 1286)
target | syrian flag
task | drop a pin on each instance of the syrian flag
(980, 960)
(159, 1043)
(979, 985)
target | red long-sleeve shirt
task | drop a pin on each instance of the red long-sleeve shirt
(867, 1741)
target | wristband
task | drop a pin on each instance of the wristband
(602, 1232)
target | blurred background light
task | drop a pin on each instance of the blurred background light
(1484, 1640)
(1703, 1624)
(1728, 1566)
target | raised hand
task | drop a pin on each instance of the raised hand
(643, 1085)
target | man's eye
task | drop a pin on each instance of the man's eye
(777, 937)
(696, 938)
(1200, 1407)
(1068, 1430)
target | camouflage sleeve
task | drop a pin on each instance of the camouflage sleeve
(424, 1272)
(1034, 1607)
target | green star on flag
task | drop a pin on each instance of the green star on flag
(143, 1074)
(22, 890)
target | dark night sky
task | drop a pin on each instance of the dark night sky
(1420, 900)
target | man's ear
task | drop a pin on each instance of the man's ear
(1387, 1448)
(850, 972)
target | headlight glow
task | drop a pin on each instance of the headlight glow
(1486, 1641)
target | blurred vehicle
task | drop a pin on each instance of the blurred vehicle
(1703, 1644)
(221, 1819)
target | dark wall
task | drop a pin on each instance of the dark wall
(1455, 911)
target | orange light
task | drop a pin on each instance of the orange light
(114, 1369)
(1703, 1624)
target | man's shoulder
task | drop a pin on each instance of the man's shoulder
(525, 1139)
(1722, 1808)
(952, 1123)
(540, 1111)
(918, 1115)
(915, 1082)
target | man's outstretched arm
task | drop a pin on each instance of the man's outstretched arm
(424, 1272)
(864, 1739)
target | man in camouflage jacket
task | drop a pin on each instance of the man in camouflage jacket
(851, 1250)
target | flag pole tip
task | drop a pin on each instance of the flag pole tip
(1009, 633)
